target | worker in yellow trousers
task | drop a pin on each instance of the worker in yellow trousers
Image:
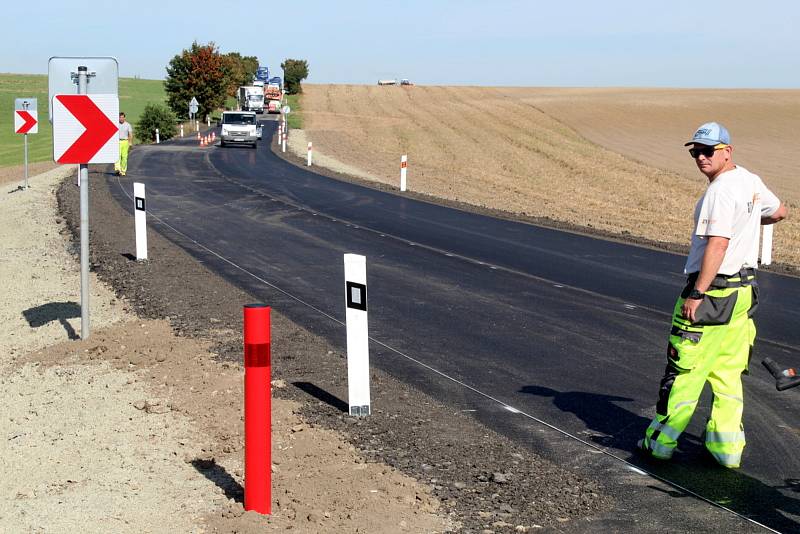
(712, 333)
(125, 142)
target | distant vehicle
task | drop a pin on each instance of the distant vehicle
(273, 95)
(258, 83)
(251, 98)
(387, 82)
(262, 74)
(405, 81)
(239, 127)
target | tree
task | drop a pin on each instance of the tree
(294, 72)
(197, 72)
(239, 70)
(156, 116)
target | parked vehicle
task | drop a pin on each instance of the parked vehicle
(405, 81)
(273, 96)
(251, 98)
(239, 127)
(387, 82)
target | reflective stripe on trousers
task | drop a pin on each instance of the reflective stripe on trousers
(718, 352)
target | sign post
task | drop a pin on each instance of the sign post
(194, 105)
(403, 170)
(85, 130)
(26, 121)
(140, 221)
(355, 277)
(766, 244)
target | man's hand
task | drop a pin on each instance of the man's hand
(689, 308)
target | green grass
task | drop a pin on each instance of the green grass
(133, 95)
(296, 116)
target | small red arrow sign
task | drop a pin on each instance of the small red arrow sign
(99, 128)
(30, 122)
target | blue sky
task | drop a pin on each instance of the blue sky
(535, 43)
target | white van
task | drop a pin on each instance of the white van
(239, 127)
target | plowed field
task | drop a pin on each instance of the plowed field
(607, 159)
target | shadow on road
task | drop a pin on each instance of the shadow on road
(54, 311)
(691, 467)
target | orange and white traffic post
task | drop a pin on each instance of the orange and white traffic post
(403, 168)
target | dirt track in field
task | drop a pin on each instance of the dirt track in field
(607, 159)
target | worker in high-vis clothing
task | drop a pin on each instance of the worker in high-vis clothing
(125, 143)
(712, 333)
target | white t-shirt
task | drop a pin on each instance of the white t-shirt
(125, 130)
(731, 207)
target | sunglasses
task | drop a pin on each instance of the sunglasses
(707, 151)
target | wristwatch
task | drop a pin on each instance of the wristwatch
(694, 294)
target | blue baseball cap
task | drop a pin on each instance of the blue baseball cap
(711, 133)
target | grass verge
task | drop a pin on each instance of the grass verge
(296, 116)
(134, 94)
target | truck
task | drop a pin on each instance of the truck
(262, 74)
(277, 81)
(251, 98)
(273, 95)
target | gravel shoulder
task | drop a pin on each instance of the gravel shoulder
(138, 429)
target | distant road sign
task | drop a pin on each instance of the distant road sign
(26, 122)
(193, 105)
(103, 76)
(85, 128)
(26, 119)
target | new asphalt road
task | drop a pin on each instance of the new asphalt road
(555, 339)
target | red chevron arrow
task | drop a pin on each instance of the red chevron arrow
(30, 122)
(99, 128)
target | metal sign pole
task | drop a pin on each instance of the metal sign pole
(84, 180)
(26, 161)
(25, 106)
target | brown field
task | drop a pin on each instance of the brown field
(609, 159)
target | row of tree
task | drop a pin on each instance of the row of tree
(204, 73)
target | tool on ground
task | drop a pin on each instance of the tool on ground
(784, 378)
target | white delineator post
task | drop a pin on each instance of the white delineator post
(308, 159)
(158, 137)
(280, 133)
(403, 168)
(355, 277)
(181, 129)
(197, 126)
(766, 244)
(140, 220)
(208, 121)
(283, 141)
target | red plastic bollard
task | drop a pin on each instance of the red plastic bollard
(257, 410)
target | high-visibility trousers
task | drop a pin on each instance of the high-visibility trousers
(121, 166)
(716, 348)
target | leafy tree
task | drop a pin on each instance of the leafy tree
(197, 72)
(294, 72)
(239, 70)
(156, 116)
